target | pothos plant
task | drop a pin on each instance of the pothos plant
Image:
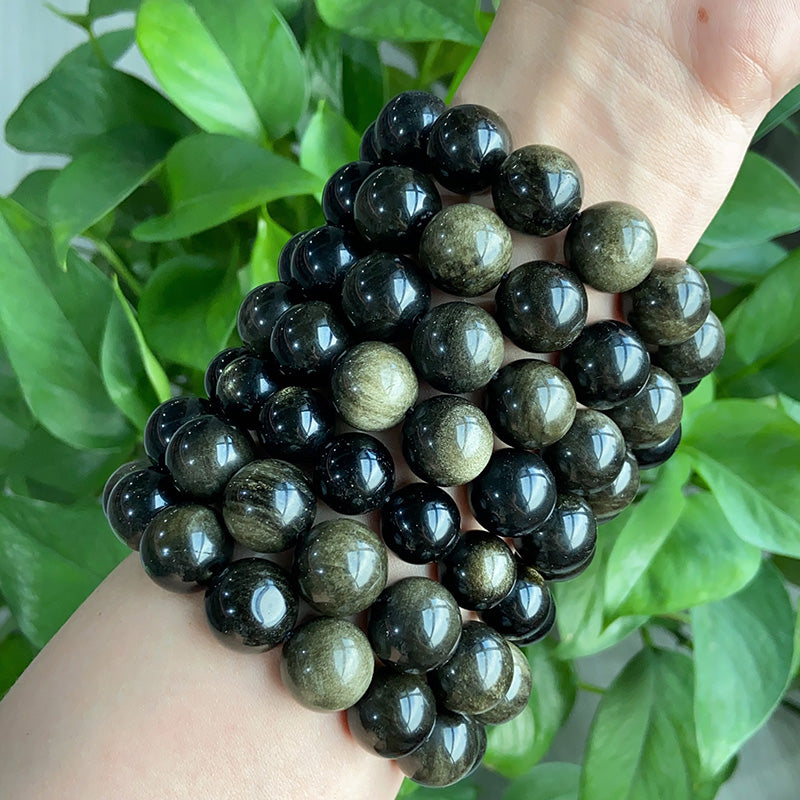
(120, 277)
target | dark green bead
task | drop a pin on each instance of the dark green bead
(607, 502)
(166, 419)
(321, 260)
(480, 750)
(612, 246)
(185, 546)
(268, 504)
(653, 414)
(541, 306)
(117, 475)
(252, 604)
(259, 312)
(395, 716)
(339, 193)
(403, 126)
(465, 250)
(415, 624)
(477, 676)
(217, 364)
(327, 664)
(516, 697)
(243, 387)
(655, 456)
(457, 347)
(479, 570)
(697, 357)
(368, 148)
(286, 255)
(373, 386)
(447, 440)
(530, 403)
(688, 388)
(341, 567)
(670, 304)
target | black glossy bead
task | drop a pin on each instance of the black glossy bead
(607, 502)
(415, 624)
(368, 148)
(205, 453)
(688, 388)
(589, 455)
(466, 146)
(243, 387)
(383, 296)
(514, 494)
(166, 419)
(517, 695)
(393, 206)
(541, 306)
(295, 422)
(184, 547)
(354, 474)
(538, 190)
(420, 523)
(457, 347)
(135, 500)
(404, 125)
(285, 257)
(259, 312)
(339, 193)
(670, 304)
(307, 339)
(607, 364)
(479, 570)
(655, 456)
(697, 357)
(218, 363)
(117, 475)
(395, 716)
(268, 504)
(527, 612)
(564, 545)
(321, 260)
(252, 605)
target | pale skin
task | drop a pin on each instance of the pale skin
(657, 101)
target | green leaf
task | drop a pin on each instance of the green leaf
(743, 649)
(748, 454)
(404, 20)
(16, 652)
(106, 8)
(31, 192)
(51, 558)
(55, 351)
(516, 746)
(270, 239)
(16, 421)
(789, 567)
(328, 142)
(233, 68)
(362, 83)
(213, 178)
(463, 790)
(740, 265)
(764, 202)
(113, 165)
(552, 781)
(408, 787)
(785, 108)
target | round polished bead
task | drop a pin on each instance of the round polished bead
(243, 387)
(457, 347)
(589, 455)
(612, 246)
(479, 570)
(655, 456)
(384, 295)
(341, 567)
(184, 546)
(354, 474)
(117, 475)
(607, 502)
(285, 257)
(205, 453)
(393, 206)
(268, 504)
(373, 386)
(447, 440)
(530, 403)
(564, 545)
(307, 339)
(252, 604)
(327, 664)
(404, 125)
(217, 364)
(166, 419)
(538, 190)
(527, 612)
(607, 364)
(670, 304)
(465, 250)
(295, 422)
(339, 193)
(698, 356)
(516, 697)
(321, 260)
(395, 716)
(368, 148)
(541, 306)
(514, 494)
(259, 312)
(415, 624)
(466, 147)
(688, 388)
(420, 523)
(449, 754)
(652, 415)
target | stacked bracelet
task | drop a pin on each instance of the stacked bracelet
(336, 351)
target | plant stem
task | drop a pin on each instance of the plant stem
(647, 639)
(118, 265)
(591, 687)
